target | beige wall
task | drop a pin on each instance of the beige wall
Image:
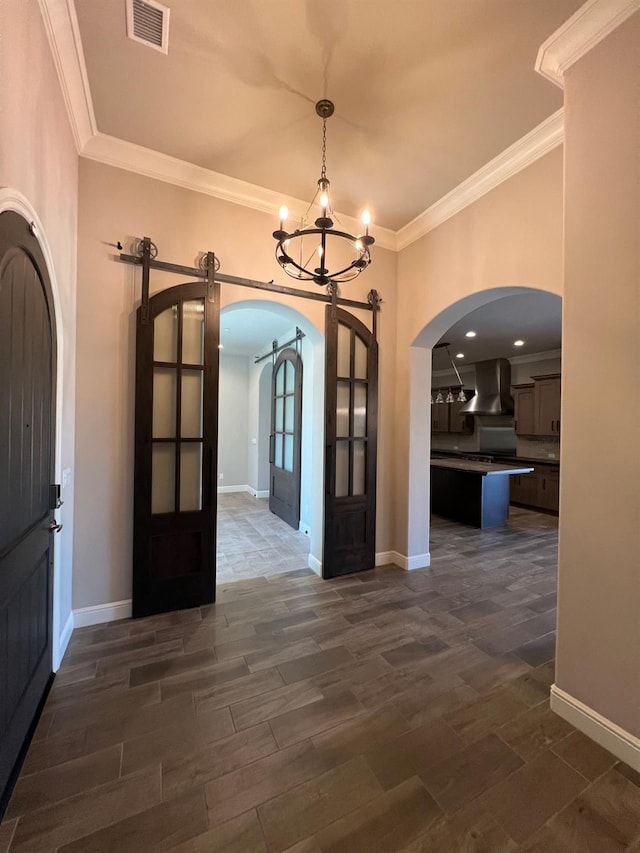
(599, 591)
(119, 205)
(38, 164)
(510, 238)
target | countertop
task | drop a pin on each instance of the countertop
(497, 458)
(483, 468)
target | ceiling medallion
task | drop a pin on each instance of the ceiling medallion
(303, 253)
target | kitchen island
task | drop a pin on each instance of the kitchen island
(472, 492)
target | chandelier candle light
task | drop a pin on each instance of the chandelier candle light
(321, 233)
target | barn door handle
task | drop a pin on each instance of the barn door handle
(55, 528)
(272, 439)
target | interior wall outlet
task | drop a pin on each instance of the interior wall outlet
(222, 476)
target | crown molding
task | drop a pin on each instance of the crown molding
(531, 147)
(536, 356)
(61, 25)
(162, 167)
(579, 34)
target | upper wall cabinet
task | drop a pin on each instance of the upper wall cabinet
(524, 409)
(547, 396)
(446, 417)
(537, 406)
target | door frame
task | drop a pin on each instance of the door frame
(372, 306)
(62, 625)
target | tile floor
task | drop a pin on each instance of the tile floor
(386, 711)
(253, 542)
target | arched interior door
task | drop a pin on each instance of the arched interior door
(177, 370)
(27, 422)
(285, 439)
(351, 417)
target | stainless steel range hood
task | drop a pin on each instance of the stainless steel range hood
(493, 389)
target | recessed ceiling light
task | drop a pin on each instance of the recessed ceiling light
(470, 334)
(518, 343)
(460, 355)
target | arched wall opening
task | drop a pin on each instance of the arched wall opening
(418, 516)
(312, 350)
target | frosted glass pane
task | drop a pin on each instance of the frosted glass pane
(190, 477)
(344, 350)
(342, 469)
(191, 405)
(278, 457)
(165, 335)
(163, 478)
(193, 331)
(342, 409)
(288, 453)
(290, 377)
(359, 409)
(165, 385)
(360, 360)
(288, 414)
(279, 424)
(359, 465)
(280, 380)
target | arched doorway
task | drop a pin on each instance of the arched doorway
(420, 442)
(254, 334)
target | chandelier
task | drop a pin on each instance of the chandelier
(302, 253)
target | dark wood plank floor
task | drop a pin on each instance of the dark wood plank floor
(388, 711)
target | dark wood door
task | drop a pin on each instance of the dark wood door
(285, 439)
(351, 414)
(177, 368)
(27, 371)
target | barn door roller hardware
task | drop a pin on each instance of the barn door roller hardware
(146, 253)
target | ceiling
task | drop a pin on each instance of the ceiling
(535, 318)
(250, 331)
(426, 91)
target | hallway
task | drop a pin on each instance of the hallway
(253, 542)
(386, 711)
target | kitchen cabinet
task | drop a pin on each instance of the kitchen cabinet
(446, 417)
(460, 423)
(524, 409)
(440, 417)
(549, 489)
(539, 490)
(524, 489)
(537, 406)
(547, 401)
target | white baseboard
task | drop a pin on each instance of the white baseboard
(383, 558)
(315, 564)
(225, 490)
(100, 613)
(63, 642)
(418, 561)
(621, 743)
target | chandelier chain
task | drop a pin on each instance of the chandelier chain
(323, 173)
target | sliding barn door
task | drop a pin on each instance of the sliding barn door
(27, 420)
(285, 439)
(351, 402)
(177, 366)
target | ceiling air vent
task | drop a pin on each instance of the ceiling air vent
(148, 23)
